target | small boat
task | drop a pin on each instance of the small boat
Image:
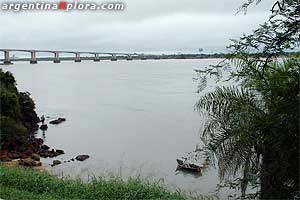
(187, 166)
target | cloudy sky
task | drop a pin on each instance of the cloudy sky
(144, 26)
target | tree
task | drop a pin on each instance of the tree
(254, 128)
(17, 110)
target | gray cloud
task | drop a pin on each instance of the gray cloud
(143, 27)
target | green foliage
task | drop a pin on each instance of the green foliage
(9, 101)
(27, 104)
(9, 129)
(33, 183)
(253, 129)
(14, 194)
(8, 81)
(29, 116)
(10, 104)
(259, 118)
(280, 32)
(16, 109)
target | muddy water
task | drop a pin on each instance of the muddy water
(134, 118)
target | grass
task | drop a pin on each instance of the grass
(19, 183)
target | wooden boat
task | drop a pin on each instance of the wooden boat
(187, 166)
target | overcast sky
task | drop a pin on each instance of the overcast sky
(144, 26)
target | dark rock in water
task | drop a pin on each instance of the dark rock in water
(54, 122)
(59, 151)
(46, 153)
(58, 121)
(45, 147)
(72, 159)
(82, 157)
(44, 127)
(62, 119)
(53, 153)
(56, 162)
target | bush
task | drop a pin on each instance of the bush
(16, 109)
(10, 128)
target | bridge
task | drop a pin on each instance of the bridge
(77, 55)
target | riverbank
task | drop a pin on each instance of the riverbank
(22, 183)
(19, 146)
(118, 133)
(19, 124)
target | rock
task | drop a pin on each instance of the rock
(54, 122)
(56, 162)
(34, 127)
(46, 153)
(72, 159)
(59, 151)
(62, 119)
(82, 157)
(45, 147)
(39, 140)
(58, 121)
(35, 157)
(4, 157)
(28, 151)
(28, 162)
(52, 153)
(23, 156)
(3, 152)
(44, 127)
(14, 155)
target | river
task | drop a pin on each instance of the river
(134, 118)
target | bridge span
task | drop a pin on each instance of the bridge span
(77, 55)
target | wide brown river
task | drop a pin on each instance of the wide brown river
(134, 118)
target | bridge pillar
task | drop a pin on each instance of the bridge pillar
(6, 60)
(129, 57)
(33, 59)
(77, 57)
(143, 57)
(96, 59)
(113, 57)
(56, 57)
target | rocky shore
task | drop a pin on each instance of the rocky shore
(28, 151)
(19, 125)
